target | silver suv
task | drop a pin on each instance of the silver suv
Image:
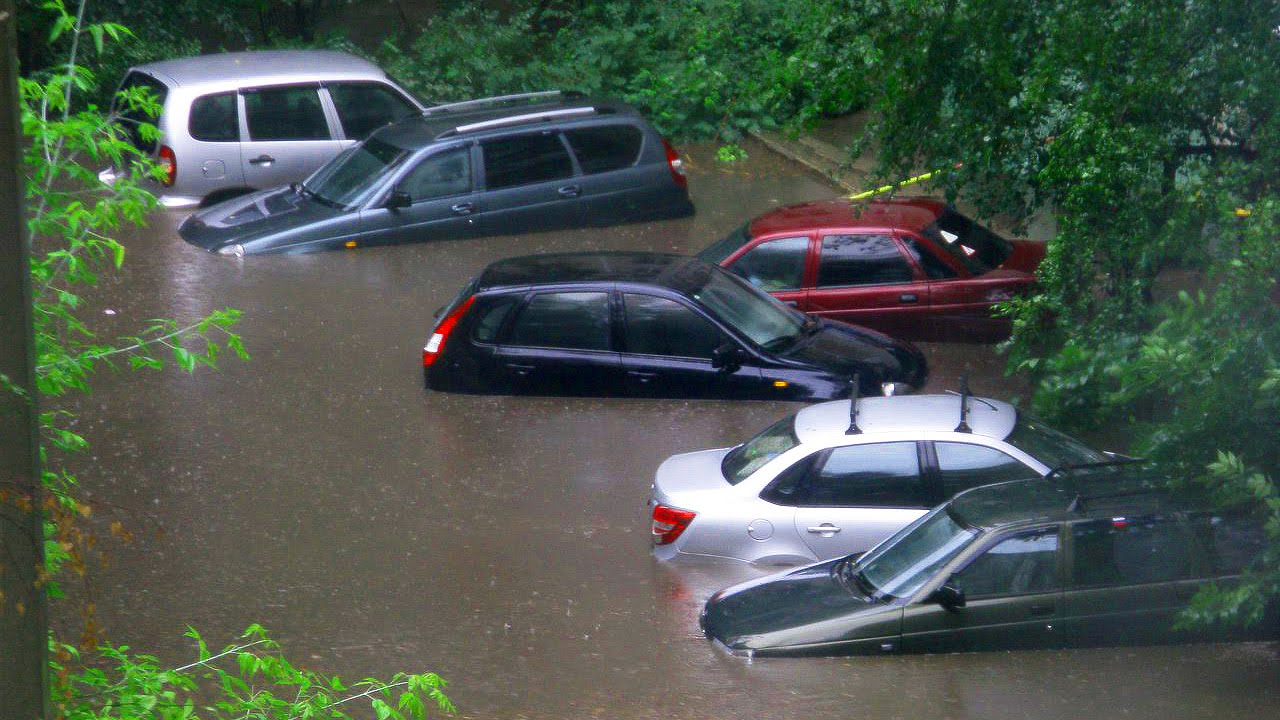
(236, 122)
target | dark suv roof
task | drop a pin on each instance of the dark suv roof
(1096, 493)
(678, 272)
(441, 122)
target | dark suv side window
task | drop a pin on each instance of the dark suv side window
(659, 326)
(365, 107)
(525, 159)
(604, 148)
(214, 118)
(874, 475)
(285, 113)
(1020, 565)
(572, 320)
(445, 173)
(1231, 541)
(1129, 551)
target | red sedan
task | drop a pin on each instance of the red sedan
(912, 267)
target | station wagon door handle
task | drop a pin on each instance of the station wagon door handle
(521, 370)
(570, 191)
(824, 529)
(462, 208)
(263, 159)
(908, 298)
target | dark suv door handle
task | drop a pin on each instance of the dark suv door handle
(908, 298)
(262, 160)
(570, 191)
(521, 370)
(463, 208)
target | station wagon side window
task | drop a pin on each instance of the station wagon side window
(774, 265)
(965, 465)
(872, 475)
(1129, 551)
(442, 174)
(285, 113)
(214, 118)
(570, 320)
(933, 267)
(660, 326)
(1024, 564)
(366, 106)
(525, 159)
(852, 260)
(605, 147)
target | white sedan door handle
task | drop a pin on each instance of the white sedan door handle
(824, 528)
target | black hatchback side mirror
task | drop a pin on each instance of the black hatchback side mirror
(398, 199)
(948, 596)
(728, 357)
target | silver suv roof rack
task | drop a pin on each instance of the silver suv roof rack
(519, 120)
(499, 99)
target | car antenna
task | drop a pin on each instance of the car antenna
(854, 393)
(963, 427)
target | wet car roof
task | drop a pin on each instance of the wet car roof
(900, 213)
(678, 272)
(263, 66)
(914, 413)
(1110, 492)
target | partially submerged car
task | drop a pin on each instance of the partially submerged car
(1096, 557)
(912, 267)
(823, 483)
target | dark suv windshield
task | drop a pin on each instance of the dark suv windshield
(753, 312)
(350, 177)
(979, 249)
(898, 566)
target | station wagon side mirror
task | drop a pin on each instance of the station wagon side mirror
(727, 358)
(948, 596)
(398, 199)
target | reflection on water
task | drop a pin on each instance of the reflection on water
(500, 541)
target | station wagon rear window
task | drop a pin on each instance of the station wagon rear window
(605, 148)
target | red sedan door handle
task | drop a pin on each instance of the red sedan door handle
(908, 298)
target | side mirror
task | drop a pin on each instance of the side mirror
(398, 199)
(948, 596)
(727, 358)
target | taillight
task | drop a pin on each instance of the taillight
(668, 523)
(676, 164)
(169, 162)
(435, 345)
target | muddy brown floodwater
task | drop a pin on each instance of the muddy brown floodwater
(499, 541)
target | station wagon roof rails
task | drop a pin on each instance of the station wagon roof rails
(544, 95)
(965, 397)
(544, 116)
(854, 393)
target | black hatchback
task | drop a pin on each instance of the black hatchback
(648, 324)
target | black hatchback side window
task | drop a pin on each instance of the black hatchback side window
(525, 159)
(658, 326)
(214, 118)
(606, 147)
(1129, 551)
(571, 320)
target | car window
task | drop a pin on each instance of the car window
(365, 107)
(1019, 565)
(1232, 541)
(659, 326)
(491, 321)
(751, 455)
(525, 159)
(573, 320)
(874, 475)
(286, 113)
(725, 247)
(969, 242)
(1053, 448)
(965, 465)
(442, 174)
(214, 118)
(604, 148)
(756, 314)
(356, 173)
(932, 264)
(850, 260)
(898, 566)
(129, 117)
(774, 265)
(1129, 551)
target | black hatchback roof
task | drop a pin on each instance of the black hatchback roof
(678, 272)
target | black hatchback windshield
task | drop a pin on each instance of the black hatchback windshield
(349, 178)
(756, 314)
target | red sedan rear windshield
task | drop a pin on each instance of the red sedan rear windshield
(979, 249)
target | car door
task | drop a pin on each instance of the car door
(857, 495)
(667, 350)
(214, 127)
(776, 266)
(615, 187)
(441, 195)
(529, 185)
(867, 280)
(559, 343)
(960, 304)
(286, 134)
(1013, 594)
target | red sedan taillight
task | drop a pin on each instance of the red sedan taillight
(169, 162)
(676, 164)
(668, 523)
(435, 345)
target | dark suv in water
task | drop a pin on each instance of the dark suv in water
(647, 324)
(517, 163)
(1094, 558)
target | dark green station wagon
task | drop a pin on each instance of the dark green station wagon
(1093, 557)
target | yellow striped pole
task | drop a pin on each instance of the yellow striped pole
(895, 186)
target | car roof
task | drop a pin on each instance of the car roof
(437, 123)
(916, 413)
(673, 271)
(262, 66)
(910, 213)
(1112, 492)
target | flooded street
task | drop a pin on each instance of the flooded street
(502, 542)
